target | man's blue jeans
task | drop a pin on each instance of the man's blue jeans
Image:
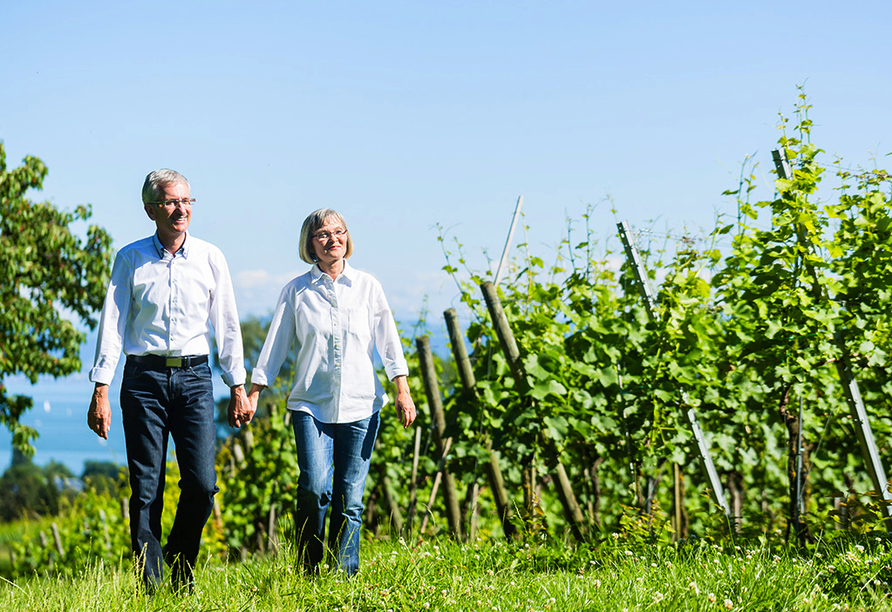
(155, 403)
(334, 461)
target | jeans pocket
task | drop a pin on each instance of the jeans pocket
(200, 372)
(132, 370)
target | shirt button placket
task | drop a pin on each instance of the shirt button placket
(168, 261)
(174, 318)
(338, 347)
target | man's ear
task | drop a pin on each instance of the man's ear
(150, 211)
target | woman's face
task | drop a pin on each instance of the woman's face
(330, 241)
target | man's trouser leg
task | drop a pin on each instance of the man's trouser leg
(143, 405)
(194, 434)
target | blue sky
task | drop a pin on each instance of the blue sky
(407, 114)
(404, 115)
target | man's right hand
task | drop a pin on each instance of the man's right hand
(99, 415)
(241, 411)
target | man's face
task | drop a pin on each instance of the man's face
(172, 219)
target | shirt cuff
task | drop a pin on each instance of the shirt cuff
(235, 377)
(396, 370)
(259, 377)
(103, 376)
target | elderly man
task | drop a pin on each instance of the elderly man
(165, 294)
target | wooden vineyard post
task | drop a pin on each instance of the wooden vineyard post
(384, 486)
(678, 517)
(413, 483)
(634, 259)
(106, 537)
(512, 355)
(437, 478)
(393, 509)
(271, 533)
(57, 539)
(438, 419)
(855, 402)
(469, 384)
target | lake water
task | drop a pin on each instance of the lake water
(60, 416)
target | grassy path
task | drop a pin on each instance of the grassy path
(499, 577)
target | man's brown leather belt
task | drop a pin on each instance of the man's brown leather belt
(159, 361)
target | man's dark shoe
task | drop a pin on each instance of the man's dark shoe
(181, 578)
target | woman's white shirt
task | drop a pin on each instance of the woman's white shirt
(334, 327)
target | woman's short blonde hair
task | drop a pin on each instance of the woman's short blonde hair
(311, 225)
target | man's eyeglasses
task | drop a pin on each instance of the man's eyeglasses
(323, 236)
(174, 203)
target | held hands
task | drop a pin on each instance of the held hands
(405, 407)
(99, 414)
(241, 409)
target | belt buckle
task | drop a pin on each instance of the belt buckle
(173, 362)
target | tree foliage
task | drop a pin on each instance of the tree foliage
(31, 490)
(49, 280)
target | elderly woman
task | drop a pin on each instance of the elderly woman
(334, 316)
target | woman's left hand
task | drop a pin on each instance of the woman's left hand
(405, 407)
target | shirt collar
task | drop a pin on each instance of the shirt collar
(347, 275)
(183, 250)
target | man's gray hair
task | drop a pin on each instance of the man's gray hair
(156, 181)
(311, 225)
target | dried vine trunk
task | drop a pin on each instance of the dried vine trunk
(648, 493)
(736, 490)
(594, 501)
(790, 418)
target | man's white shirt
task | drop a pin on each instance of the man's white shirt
(163, 304)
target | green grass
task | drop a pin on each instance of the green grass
(12, 532)
(501, 577)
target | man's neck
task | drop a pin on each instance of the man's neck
(172, 242)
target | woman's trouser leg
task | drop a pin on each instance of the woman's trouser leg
(353, 444)
(314, 458)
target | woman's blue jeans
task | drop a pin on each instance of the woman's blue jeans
(156, 404)
(334, 461)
